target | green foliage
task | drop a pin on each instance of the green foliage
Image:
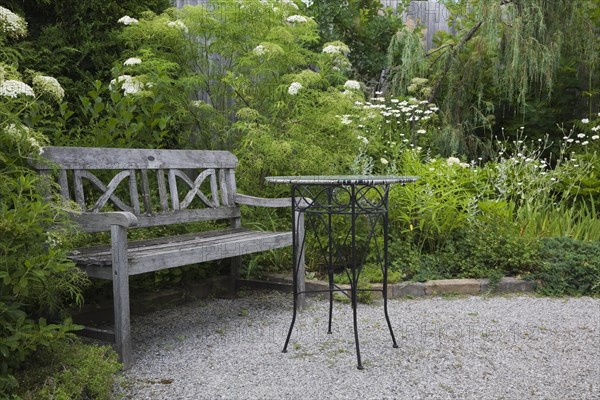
(491, 247)
(570, 267)
(76, 42)
(515, 62)
(442, 201)
(109, 118)
(69, 370)
(36, 278)
(364, 26)
(370, 273)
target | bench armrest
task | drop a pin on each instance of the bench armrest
(262, 201)
(94, 222)
(266, 202)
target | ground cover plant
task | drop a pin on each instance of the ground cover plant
(500, 122)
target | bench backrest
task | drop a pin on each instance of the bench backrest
(160, 187)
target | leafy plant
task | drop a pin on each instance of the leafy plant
(365, 26)
(570, 267)
(69, 370)
(36, 278)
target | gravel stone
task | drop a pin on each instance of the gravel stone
(499, 347)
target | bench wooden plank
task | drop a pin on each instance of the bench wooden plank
(115, 158)
(157, 254)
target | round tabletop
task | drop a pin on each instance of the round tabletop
(341, 179)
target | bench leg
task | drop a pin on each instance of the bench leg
(120, 279)
(234, 273)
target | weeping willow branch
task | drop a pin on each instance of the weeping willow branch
(451, 58)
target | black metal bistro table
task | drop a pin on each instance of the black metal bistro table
(346, 215)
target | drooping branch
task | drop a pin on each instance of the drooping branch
(450, 59)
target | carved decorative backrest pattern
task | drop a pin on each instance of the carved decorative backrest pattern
(196, 184)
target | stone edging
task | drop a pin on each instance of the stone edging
(418, 289)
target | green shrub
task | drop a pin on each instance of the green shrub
(74, 41)
(36, 278)
(69, 370)
(570, 267)
(489, 245)
(364, 25)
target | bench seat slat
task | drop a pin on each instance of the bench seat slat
(160, 253)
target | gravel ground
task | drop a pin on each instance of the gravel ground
(511, 347)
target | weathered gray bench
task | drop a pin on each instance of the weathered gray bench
(149, 188)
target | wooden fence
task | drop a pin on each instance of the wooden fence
(431, 14)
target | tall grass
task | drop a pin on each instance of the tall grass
(578, 221)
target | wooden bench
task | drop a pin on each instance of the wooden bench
(149, 188)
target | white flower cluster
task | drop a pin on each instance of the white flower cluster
(16, 132)
(455, 161)
(594, 129)
(260, 50)
(352, 85)
(12, 24)
(53, 239)
(363, 139)
(179, 25)
(308, 3)
(21, 132)
(13, 88)
(582, 138)
(50, 86)
(127, 20)
(345, 119)
(132, 61)
(294, 88)
(129, 84)
(296, 19)
(407, 111)
(336, 49)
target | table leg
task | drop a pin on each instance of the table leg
(385, 273)
(354, 301)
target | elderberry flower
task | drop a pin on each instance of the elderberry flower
(260, 50)
(35, 145)
(336, 48)
(585, 121)
(179, 25)
(352, 85)
(13, 88)
(296, 19)
(294, 88)
(12, 24)
(132, 61)
(50, 86)
(129, 84)
(127, 20)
